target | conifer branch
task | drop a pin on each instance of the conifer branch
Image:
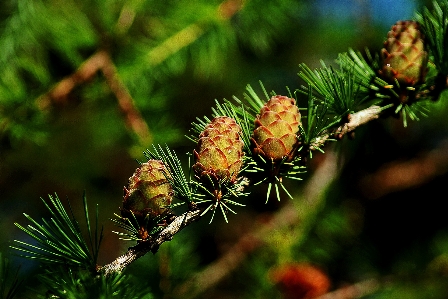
(152, 244)
(85, 72)
(400, 91)
(99, 62)
(353, 121)
(189, 34)
(359, 118)
(287, 216)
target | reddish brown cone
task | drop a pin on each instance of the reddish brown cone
(219, 152)
(404, 55)
(148, 192)
(276, 129)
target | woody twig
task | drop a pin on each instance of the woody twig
(100, 62)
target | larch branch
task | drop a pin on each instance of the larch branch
(153, 244)
(99, 62)
(354, 121)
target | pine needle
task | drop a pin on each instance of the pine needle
(60, 240)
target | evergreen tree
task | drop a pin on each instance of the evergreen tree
(262, 140)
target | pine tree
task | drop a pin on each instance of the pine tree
(260, 140)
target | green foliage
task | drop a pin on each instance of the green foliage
(60, 240)
(74, 284)
(338, 88)
(26, 70)
(316, 123)
(150, 42)
(363, 69)
(434, 24)
(131, 226)
(9, 282)
(231, 191)
(146, 56)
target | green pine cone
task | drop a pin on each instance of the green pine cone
(148, 192)
(219, 152)
(276, 128)
(404, 55)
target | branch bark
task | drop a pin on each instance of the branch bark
(359, 118)
(152, 245)
(357, 290)
(288, 215)
(100, 62)
(354, 120)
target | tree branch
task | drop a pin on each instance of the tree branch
(359, 118)
(153, 244)
(401, 175)
(228, 262)
(99, 62)
(357, 290)
(354, 120)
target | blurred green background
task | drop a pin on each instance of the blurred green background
(87, 86)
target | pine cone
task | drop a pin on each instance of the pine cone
(219, 152)
(404, 55)
(276, 129)
(148, 192)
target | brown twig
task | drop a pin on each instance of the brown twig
(359, 118)
(354, 120)
(86, 71)
(133, 118)
(357, 290)
(152, 245)
(401, 175)
(99, 62)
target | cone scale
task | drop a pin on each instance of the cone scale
(147, 195)
(219, 152)
(404, 57)
(276, 128)
(218, 161)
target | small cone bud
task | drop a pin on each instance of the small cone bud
(219, 152)
(404, 55)
(148, 191)
(276, 129)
